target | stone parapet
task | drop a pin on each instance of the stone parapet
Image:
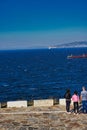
(17, 104)
(45, 102)
(35, 103)
(63, 101)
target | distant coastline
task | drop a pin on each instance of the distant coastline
(76, 44)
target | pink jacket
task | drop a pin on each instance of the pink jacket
(75, 98)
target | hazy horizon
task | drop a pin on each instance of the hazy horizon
(39, 24)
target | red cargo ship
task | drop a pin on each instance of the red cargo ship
(77, 56)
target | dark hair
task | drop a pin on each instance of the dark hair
(68, 91)
(67, 94)
(75, 92)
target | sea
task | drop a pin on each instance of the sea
(41, 73)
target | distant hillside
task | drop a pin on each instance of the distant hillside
(71, 45)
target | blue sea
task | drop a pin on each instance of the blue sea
(41, 73)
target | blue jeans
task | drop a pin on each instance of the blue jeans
(84, 106)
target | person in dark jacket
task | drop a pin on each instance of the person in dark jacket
(67, 96)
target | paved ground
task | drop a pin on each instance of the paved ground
(41, 118)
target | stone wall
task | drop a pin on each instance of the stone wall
(46, 102)
(63, 102)
(35, 103)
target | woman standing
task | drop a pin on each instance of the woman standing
(68, 100)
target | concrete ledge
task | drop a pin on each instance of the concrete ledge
(45, 102)
(17, 104)
(63, 102)
(35, 103)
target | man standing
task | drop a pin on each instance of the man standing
(84, 99)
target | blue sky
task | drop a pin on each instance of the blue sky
(26, 24)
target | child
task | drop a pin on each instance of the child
(75, 99)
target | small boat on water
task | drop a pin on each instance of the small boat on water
(77, 56)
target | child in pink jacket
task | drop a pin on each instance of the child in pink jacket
(75, 99)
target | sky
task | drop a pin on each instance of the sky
(26, 24)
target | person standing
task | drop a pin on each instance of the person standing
(84, 99)
(67, 96)
(75, 99)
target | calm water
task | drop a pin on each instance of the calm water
(40, 74)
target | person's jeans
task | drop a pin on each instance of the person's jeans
(76, 107)
(67, 106)
(84, 106)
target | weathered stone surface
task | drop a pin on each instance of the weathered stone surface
(41, 118)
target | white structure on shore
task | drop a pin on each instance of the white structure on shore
(35, 103)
